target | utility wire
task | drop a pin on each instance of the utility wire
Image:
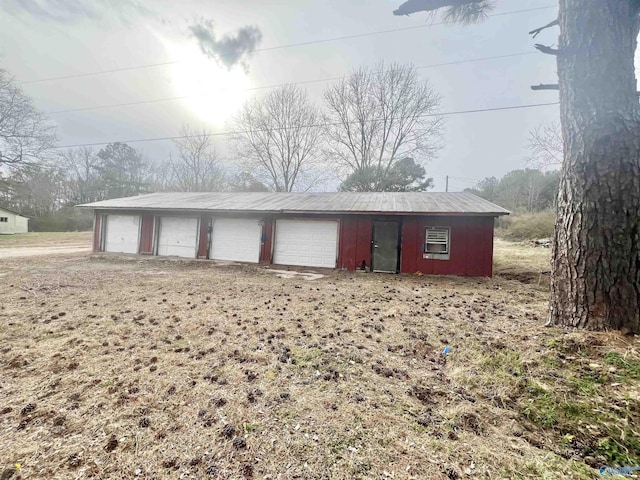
(326, 124)
(267, 49)
(466, 179)
(455, 178)
(459, 180)
(264, 87)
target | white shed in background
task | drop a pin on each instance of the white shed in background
(12, 222)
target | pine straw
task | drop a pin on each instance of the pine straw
(129, 368)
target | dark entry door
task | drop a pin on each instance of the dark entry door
(386, 245)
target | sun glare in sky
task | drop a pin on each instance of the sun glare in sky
(214, 93)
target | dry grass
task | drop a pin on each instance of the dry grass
(522, 261)
(116, 367)
(44, 239)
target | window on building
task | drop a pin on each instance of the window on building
(437, 241)
(4, 219)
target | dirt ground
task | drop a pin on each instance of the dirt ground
(129, 367)
(34, 244)
(46, 239)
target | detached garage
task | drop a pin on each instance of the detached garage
(431, 233)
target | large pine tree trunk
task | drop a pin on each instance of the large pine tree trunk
(596, 258)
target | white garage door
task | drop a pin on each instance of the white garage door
(122, 233)
(236, 239)
(178, 236)
(309, 243)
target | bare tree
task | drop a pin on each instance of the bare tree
(279, 136)
(197, 168)
(245, 182)
(379, 117)
(162, 176)
(25, 133)
(39, 189)
(595, 274)
(545, 145)
(81, 168)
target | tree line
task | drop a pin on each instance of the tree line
(527, 190)
(375, 131)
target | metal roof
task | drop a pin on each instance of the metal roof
(11, 211)
(341, 202)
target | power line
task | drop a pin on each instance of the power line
(462, 179)
(326, 124)
(267, 49)
(459, 180)
(466, 179)
(264, 87)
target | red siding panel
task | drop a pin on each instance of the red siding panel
(267, 240)
(481, 246)
(488, 234)
(408, 260)
(471, 252)
(354, 242)
(347, 240)
(146, 234)
(364, 235)
(474, 249)
(203, 240)
(459, 243)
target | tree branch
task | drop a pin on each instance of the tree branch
(552, 86)
(414, 6)
(548, 25)
(546, 86)
(547, 50)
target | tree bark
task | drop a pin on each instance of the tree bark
(595, 280)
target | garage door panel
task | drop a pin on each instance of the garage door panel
(122, 233)
(236, 239)
(308, 243)
(178, 237)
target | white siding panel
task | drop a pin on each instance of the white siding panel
(236, 239)
(310, 243)
(122, 235)
(7, 227)
(22, 224)
(178, 237)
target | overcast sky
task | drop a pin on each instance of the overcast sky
(41, 39)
